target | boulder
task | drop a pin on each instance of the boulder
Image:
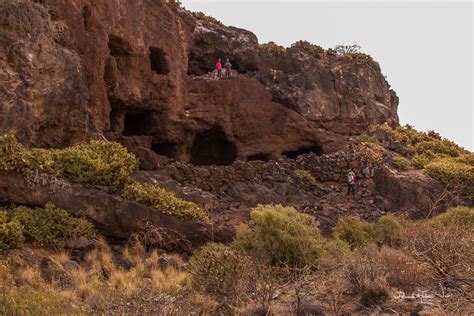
(406, 191)
(112, 214)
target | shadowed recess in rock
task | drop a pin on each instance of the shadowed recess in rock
(158, 61)
(137, 123)
(165, 148)
(212, 147)
(293, 154)
(118, 46)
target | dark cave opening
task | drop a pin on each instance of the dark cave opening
(158, 61)
(165, 148)
(259, 157)
(212, 147)
(137, 123)
(293, 154)
(118, 46)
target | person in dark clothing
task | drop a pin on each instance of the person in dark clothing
(351, 181)
(228, 68)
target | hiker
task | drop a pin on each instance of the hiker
(219, 68)
(228, 68)
(351, 181)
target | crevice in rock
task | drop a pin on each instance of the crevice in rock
(119, 47)
(158, 61)
(212, 147)
(165, 148)
(293, 154)
(137, 123)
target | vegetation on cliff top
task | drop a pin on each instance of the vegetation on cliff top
(440, 158)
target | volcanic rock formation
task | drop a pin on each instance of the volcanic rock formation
(132, 71)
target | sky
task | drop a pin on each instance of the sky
(425, 48)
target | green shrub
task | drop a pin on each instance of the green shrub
(389, 231)
(401, 163)
(459, 216)
(281, 235)
(164, 201)
(13, 155)
(364, 138)
(354, 231)
(454, 173)
(49, 226)
(368, 153)
(11, 233)
(202, 16)
(272, 48)
(309, 47)
(95, 163)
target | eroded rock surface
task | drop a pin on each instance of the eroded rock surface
(120, 69)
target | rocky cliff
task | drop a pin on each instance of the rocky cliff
(135, 71)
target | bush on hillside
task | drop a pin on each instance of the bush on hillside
(164, 201)
(368, 153)
(202, 16)
(448, 251)
(389, 231)
(218, 270)
(95, 163)
(314, 49)
(458, 216)
(453, 173)
(271, 48)
(49, 226)
(282, 236)
(354, 231)
(401, 163)
(11, 233)
(364, 138)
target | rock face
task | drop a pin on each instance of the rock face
(129, 70)
(43, 95)
(411, 191)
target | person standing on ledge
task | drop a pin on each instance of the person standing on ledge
(219, 68)
(351, 181)
(228, 68)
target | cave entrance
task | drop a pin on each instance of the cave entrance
(118, 46)
(259, 157)
(158, 61)
(165, 148)
(137, 123)
(293, 154)
(212, 147)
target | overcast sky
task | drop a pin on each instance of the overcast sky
(425, 48)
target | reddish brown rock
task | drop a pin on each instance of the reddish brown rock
(129, 69)
(411, 191)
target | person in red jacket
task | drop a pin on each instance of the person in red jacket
(219, 68)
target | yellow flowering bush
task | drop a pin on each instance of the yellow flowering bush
(164, 201)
